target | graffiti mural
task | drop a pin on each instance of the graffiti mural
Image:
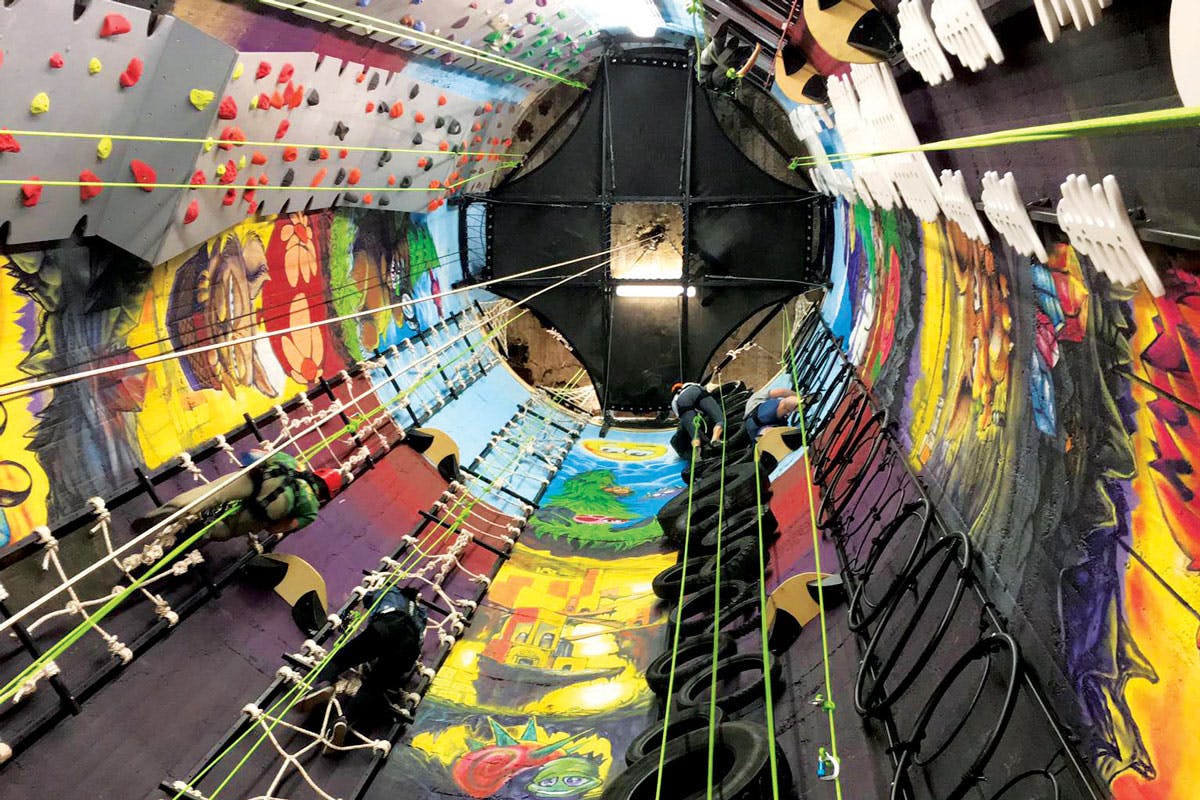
(1055, 414)
(546, 690)
(82, 305)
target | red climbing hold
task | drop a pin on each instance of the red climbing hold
(396, 110)
(452, 177)
(264, 102)
(370, 107)
(228, 108)
(354, 176)
(444, 146)
(198, 178)
(282, 130)
(264, 69)
(31, 192)
(297, 96)
(343, 153)
(132, 73)
(362, 76)
(476, 128)
(391, 180)
(231, 136)
(368, 199)
(276, 100)
(422, 162)
(231, 173)
(463, 160)
(193, 211)
(248, 196)
(8, 144)
(88, 192)
(441, 99)
(115, 25)
(230, 197)
(320, 176)
(263, 180)
(435, 204)
(418, 117)
(56, 61)
(487, 107)
(285, 73)
(290, 153)
(144, 174)
(435, 184)
(258, 159)
(324, 154)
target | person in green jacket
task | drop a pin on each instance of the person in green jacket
(277, 496)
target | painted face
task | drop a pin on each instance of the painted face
(569, 776)
(624, 451)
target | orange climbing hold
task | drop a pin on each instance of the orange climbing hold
(422, 162)
(319, 177)
(435, 184)
(441, 99)
(444, 146)
(263, 180)
(88, 192)
(132, 73)
(192, 212)
(487, 107)
(31, 192)
(323, 153)
(143, 174)
(276, 100)
(391, 180)
(368, 199)
(396, 110)
(370, 106)
(343, 153)
(418, 117)
(354, 176)
(290, 153)
(258, 159)
(362, 76)
(114, 25)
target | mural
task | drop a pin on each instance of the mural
(1058, 417)
(83, 305)
(545, 692)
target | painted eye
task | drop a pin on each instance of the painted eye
(574, 780)
(548, 781)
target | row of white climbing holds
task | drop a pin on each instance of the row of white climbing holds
(1097, 223)
(1058, 14)
(921, 47)
(963, 31)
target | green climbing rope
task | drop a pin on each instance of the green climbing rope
(712, 700)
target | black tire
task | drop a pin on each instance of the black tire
(743, 753)
(739, 562)
(695, 691)
(679, 724)
(730, 388)
(741, 525)
(696, 611)
(694, 655)
(739, 620)
(672, 509)
(666, 583)
(702, 509)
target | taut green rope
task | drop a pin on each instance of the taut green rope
(712, 700)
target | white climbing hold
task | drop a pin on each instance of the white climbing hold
(963, 31)
(921, 46)
(959, 207)
(1097, 223)
(1058, 14)
(1004, 208)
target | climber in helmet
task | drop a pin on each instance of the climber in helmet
(700, 416)
(277, 496)
(386, 649)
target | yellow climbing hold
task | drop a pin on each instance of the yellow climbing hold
(254, 102)
(242, 163)
(40, 103)
(238, 70)
(104, 148)
(94, 66)
(201, 98)
(220, 170)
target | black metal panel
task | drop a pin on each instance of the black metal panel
(526, 237)
(647, 108)
(719, 169)
(772, 241)
(645, 357)
(578, 313)
(573, 172)
(714, 314)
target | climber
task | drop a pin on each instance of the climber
(768, 408)
(277, 495)
(698, 411)
(388, 646)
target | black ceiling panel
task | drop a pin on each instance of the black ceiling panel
(648, 127)
(525, 237)
(573, 172)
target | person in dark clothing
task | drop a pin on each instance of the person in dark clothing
(699, 413)
(769, 408)
(388, 646)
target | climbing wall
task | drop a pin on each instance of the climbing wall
(552, 666)
(220, 135)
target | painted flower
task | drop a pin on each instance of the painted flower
(303, 350)
(300, 255)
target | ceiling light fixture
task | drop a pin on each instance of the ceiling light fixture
(653, 290)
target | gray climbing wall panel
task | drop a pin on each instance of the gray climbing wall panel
(301, 131)
(46, 51)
